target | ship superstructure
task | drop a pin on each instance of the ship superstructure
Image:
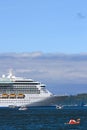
(17, 91)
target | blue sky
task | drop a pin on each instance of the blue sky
(57, 26)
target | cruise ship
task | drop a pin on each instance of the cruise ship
(23, 92)
(18, 91)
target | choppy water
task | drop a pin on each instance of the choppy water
(42, 119)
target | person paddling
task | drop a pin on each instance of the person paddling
(74, 122)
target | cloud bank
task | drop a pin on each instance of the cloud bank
(53, 69)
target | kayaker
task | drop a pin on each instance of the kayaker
(73, 122)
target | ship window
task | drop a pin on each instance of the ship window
(21, 83)
(42, 86)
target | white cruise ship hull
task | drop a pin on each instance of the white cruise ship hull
(48, 101)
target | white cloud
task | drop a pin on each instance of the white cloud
(60, 68)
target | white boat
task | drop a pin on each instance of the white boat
(23, 108)
(17, 91)
(59, 107)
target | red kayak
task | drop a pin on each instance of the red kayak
(73, 122)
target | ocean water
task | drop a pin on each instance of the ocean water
(42, 118)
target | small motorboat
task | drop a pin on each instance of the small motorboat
(23, 108)
(58, 107)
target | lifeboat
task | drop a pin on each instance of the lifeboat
(20, 95)
(4, 95)
(12, 95)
